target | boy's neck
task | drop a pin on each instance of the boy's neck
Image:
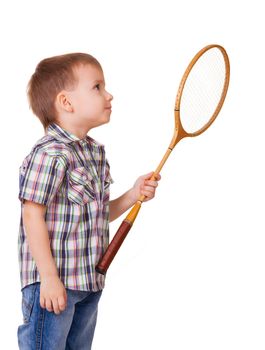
(78, 131)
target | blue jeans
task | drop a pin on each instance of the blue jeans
(72, 329)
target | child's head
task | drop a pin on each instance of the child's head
(69, 88)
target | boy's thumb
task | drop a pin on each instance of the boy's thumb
(148, 176)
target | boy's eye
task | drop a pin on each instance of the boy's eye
(97, 86)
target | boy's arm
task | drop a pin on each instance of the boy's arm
(52, 293)
(119, 205)
(142, 186)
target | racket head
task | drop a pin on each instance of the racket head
(202, 91)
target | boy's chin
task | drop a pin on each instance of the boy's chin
(103, 122)
(100, 121)
(106, 119)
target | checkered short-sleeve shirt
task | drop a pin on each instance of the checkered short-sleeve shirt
(71, 177)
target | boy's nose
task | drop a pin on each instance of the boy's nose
(109, 97)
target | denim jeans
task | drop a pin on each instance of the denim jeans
(71, 329)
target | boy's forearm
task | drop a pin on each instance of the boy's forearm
(119, 205)
(39, 243)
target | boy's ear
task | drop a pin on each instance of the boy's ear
(63, 102)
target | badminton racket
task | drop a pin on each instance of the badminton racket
(199, 99)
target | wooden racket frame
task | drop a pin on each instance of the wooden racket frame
(179, 133)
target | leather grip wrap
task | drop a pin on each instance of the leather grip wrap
(113, 248)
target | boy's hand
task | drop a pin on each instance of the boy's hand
(144, 186)
(53, 295)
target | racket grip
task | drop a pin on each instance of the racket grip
(113, 247)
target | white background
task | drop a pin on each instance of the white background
(191, 272)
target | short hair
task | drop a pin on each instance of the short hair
(51, 76)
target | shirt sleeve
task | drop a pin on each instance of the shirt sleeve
(40, 177)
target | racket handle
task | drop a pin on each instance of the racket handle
(118, 239)
(113, 248)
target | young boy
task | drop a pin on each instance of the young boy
(65, 207)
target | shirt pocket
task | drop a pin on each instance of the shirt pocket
(80, 186)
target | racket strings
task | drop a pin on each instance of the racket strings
(203, 90)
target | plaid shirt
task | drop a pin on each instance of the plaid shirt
(71, 177)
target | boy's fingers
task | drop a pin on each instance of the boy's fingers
(48, 304)
(148, 194)
(42, 302)
(55, 306)
(151, 183)
(148, 189)
(62, 303)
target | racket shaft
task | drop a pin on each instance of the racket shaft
(160, 166)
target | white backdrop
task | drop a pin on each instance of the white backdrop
(191, 273)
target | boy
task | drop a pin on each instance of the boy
(64, 193)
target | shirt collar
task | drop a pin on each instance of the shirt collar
(64, 136)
